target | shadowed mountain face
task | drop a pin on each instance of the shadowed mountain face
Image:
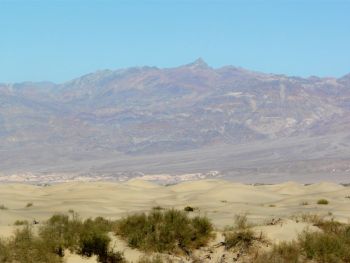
(146, 110)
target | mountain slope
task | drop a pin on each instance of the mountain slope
(147, 110)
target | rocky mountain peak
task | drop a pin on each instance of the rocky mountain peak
(198, 63)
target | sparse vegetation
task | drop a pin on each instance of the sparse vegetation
(165, 231)
(3, 207)
(322, 202)
(60, 232)
(331, 245)
(29, 205)
(304, 203)
(169, 231)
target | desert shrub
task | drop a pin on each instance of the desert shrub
(330, 226)
(242, 238)
(331, 245)
(60, 233)
(87, 238)
(5, 252)
(21, 222)
(157, 208)
(29, 205)
(325, 247)
(3, 207)
(240, 235)
(304, 203)
(322, 202)
(165, 231)
(189, 209)
(93, 243)
(25, 247)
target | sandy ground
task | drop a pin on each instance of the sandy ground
(219, 200)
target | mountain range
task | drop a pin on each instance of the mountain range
(191, 118)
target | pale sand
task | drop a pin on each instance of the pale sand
(219, 200)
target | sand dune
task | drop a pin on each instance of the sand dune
(219, 200)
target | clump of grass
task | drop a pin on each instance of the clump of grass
(29, 205)
(165, 231)
(304, 203)
(3, 207)
(272, 205)
(322, 202)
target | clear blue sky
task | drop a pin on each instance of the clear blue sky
(61, 40)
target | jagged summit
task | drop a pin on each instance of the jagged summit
(198, 63)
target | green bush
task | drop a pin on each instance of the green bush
(165, 231)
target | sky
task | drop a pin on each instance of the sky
(57, 41)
